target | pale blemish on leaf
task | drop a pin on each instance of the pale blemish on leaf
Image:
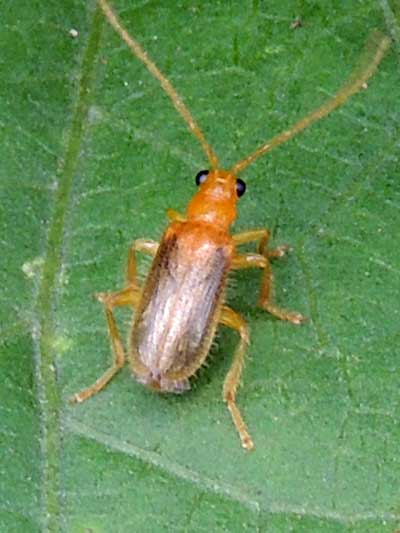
(33, 268)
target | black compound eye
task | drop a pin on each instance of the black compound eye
(201, 176)
(240, 187)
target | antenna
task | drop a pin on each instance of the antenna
(177, 101)
(377, 46)
(356, 81)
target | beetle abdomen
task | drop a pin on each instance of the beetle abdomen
(178, 314)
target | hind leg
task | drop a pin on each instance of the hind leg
(230, 318)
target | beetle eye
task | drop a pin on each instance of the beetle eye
(201, 176)
(240, 187)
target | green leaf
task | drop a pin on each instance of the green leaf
(92, 154)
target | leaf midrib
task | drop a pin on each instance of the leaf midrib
(45, 326)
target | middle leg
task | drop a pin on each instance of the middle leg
(128, 296)
(262, 260)
(262, 236)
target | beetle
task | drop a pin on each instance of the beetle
(183, 298)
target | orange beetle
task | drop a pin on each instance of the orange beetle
(183, 299)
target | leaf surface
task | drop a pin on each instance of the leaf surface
(92, 155)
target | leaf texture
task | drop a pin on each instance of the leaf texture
(92, 155)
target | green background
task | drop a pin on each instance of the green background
(92, 153)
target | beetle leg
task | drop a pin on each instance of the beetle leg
(265, 299)
(261, 235)
(233, 320)
(250, 260)
(175, 215)
(146, 246)
(128, 296)
(266, 294)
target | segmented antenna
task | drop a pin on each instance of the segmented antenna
(179, 105)
(376, 48)
(377, 44)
